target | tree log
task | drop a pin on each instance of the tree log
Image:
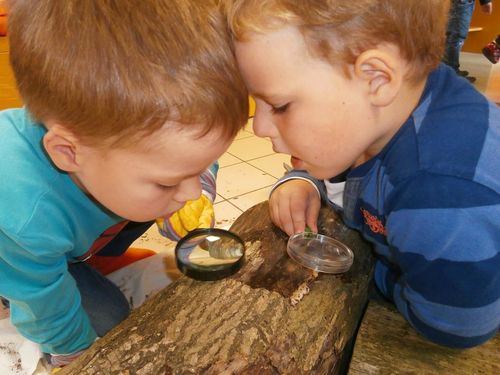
(272, 317)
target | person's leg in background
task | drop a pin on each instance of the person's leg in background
(458, 27)
(102, 300)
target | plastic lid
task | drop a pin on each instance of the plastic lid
(320, 253)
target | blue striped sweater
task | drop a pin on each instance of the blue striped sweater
(430, 204)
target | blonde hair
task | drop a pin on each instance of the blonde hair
(123, 68)
(340, 30)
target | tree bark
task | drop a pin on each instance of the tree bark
(272, 317)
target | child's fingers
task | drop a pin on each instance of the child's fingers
(312, 214)
(274, 212)
(277, 203)
(285, 217)
(289, 204)
(298, 208)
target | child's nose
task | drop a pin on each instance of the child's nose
(189, 189)
(263, 125)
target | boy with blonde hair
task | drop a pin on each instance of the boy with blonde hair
(355, 90)
(127, 104)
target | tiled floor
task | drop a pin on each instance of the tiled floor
(249, 168)
(247, 172)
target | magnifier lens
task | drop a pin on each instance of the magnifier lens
(209, 254)
(212, 250)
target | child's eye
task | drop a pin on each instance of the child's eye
(164, 187)
(278, 110)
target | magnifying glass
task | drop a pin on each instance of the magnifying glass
(210, 254)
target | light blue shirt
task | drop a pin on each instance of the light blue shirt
(45, 221)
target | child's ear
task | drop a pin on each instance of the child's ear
(62, 147)
(383, 72)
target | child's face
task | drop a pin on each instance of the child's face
(307, 107)
(150, 180)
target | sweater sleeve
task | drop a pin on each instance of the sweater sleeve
(173, 228)
(303, 175)
(443, 274)
(208, 181)
(44, 299)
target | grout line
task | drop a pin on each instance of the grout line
(248, 192)
(231, 165)
(260, 157)
(227, 152)
(267, 173)
(249, 160)
(246, 161)
(239, 209)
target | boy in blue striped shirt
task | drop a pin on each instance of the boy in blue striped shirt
(356, 88)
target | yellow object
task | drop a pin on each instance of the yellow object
(195, 214)
(56, 370)
(251, 103)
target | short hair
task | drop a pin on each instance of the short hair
(338, 31)
(123, 68)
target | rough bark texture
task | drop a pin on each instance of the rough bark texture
(387, 344)
(272, 317)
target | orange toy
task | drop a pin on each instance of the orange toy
(108, 264)
(3, 20)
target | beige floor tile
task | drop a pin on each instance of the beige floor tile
(244, 134)
(249, 125)
(227, 159)
(272, 164)
(493, 88)
(477, 66)
(153, 240)
(251, 148)
(225, 214)
(242, 178)
(246, 201)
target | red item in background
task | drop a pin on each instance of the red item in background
(107, 264)
(492, 52)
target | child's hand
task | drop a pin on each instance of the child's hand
(194, 214)
(294, 205)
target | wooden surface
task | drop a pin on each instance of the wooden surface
(387, 344)
(489, 26)
(9, 97)
(272, 317)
